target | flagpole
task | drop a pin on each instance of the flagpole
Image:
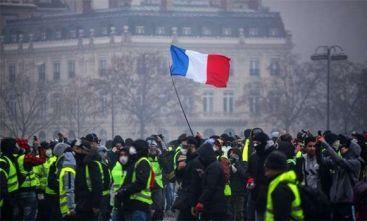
(179, 101)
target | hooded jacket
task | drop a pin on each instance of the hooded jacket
(87, 199)
(212, 195)
(345, 174)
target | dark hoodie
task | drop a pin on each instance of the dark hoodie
(212, 195)
(346, 172)
(87, 199)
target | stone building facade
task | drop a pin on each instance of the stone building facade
(78, 43)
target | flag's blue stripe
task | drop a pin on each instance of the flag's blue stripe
(180, 61)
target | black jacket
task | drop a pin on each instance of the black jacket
(256, 170)
(87, 199)
(237, 181)
(213, 182)
(142, 171)
(283, 196)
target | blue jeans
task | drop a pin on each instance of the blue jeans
(137, 215)
(117, 215)
(27, 205)
(169, 195)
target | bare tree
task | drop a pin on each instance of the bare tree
(23, 104)
(141, 85)
(82, 106)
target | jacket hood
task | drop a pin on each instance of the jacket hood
(69, 159)
(355, 149)
(60, 148)
(206, 154)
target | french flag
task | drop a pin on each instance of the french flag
(212, 69)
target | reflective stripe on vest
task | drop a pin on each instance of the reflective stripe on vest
(41, 172)
(64, 208)
(89, 182)
(245, 150)
(145, 195)
(291, 161)
(299, 154)
(28, 176)
(157, 171)
(227, 190)
(13, 183)
(289, 178)
(118, 176)
(177, 152)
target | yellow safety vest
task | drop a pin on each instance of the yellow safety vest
(28, 175)
(245, 150)
(145, 195)
(41, 172)
(157, 171)
(6, 176)
(118, 175)
(13, 183)
(105, 192)
(64, 208)
(227, 187)
(289, 178)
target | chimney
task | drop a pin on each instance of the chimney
(166, 5)
(254, 4)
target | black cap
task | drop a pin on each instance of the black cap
(331, 138)
(92, 138)
(276, 161)
(261, 137)
(141, 146)
(8, 145)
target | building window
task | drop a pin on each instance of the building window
(274, 66)
(71, 68)
(206, 31)
(186, 31)
(139, 30)
(102, 68)
(56, 71)
(105, 31)
(41, 72)
(12, 73)
(227, 31)
(160, 31)
(273, 102)
(208, 102)
(13, 38)
(12, 103)
(254, 104)
(73, 34)
(228, 102)
(254, 66)
(103, 107)
(56, 104)
(253, 31)
(273, 32)
(58, 35)
(43, 109)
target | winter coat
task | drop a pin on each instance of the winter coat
(237, 180)
(87, 199)
(345, 172)
(308, 171)
(213, 182)
(256, 170)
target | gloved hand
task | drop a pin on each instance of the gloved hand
(250, 184)
(199, 207)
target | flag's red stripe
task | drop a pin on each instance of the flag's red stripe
(217, 70)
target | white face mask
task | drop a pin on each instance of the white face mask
(123, 159)
(48, 152)
(132, 150)
(183, 151)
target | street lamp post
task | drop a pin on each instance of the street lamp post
(331, 53)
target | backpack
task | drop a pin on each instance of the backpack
(315, 203)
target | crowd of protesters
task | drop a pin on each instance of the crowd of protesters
(319, 176)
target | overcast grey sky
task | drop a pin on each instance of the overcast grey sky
(325, 22)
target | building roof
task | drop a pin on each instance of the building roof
(147, 20)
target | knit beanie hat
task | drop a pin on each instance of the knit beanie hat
(276, 161)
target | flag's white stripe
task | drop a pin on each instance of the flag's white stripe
(197, 66)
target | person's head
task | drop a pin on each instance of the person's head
(247, 133)
(102, 151)
(118, 142)
(45, 145)
(140, 146)
(259, 141)
(275, 164)
(124, 156)
(8, 146)
(332, 139)
(192, 145)
(81, 146)
(182, 139)
(93, 141)
(153, 146)
(61, 148)
(310, 146)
